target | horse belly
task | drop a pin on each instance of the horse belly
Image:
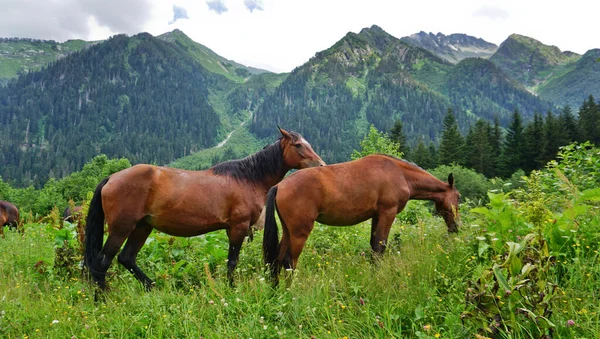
(348, 218)
(189, 221)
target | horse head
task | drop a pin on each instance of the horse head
(447, 205)
(297, 152)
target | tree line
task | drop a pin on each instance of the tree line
(493, 152)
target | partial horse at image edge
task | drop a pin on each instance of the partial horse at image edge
(9, 215)
(229, 195)
(375, 187)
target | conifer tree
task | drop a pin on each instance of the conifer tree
(421, 155)
(396, 134)
(589, 121)
(452, 143)
(478, 150)
(568, 125)
(534, 143)
(552, 138)
(512, 150)
(495, 141)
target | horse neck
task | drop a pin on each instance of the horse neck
(267, 165)
(424, 186)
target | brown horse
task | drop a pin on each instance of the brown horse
(376, 186)
(72, 216)
(229, 196)
(9, 215)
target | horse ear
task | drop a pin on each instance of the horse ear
(285, 133)
(451, 180)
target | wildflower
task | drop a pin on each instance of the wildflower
(427, 327)
(211, 302)
(54, 322)
(437, 335)
(361, 301)
(570, 322)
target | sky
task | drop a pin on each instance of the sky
(279, 35)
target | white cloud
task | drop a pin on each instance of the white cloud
(491, 12)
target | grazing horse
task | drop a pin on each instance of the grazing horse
(72, 216)
(9, 215)
(230, 196)
(375, 187)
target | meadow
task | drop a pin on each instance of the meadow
(525, 264)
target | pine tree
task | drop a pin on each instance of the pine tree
(421, 155)
(512, 150)
(478, 151)
(589, 121)
(495, 141)
(534, 143)
(396, 134)
(568, 124)
(552, 138)
(452, 143)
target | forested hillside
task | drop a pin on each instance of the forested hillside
(136, 97)
(374, 78)
(156, 100)
(582, 79)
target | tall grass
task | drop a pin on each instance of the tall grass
(338, 291)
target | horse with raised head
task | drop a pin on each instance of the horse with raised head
(9, 215)
(375, 187)
(230, 196)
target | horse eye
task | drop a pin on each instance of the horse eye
(298, 145)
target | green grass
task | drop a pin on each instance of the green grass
(416, 290)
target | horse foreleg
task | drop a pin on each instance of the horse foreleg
(236, 234)
(380, 229)
(128, 255)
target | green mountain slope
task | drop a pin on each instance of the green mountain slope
(375, 78)
(139, 97)
(481, 88)
(19, 56)
(573, 86)
(453, 47)
(209, 59)
(529, 61)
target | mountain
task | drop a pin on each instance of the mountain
(453, 47)
(529, 61)
(375, 78)
(481, 88)
(574, 85)
(137, 97)
(209, 59)
(19, 56)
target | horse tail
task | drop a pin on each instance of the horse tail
(94, 229)
(271, 236)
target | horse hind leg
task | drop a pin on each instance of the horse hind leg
(103, 260)
(128, 255)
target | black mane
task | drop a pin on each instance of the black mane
(254, 168)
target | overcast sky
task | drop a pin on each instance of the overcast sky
(280, 35)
